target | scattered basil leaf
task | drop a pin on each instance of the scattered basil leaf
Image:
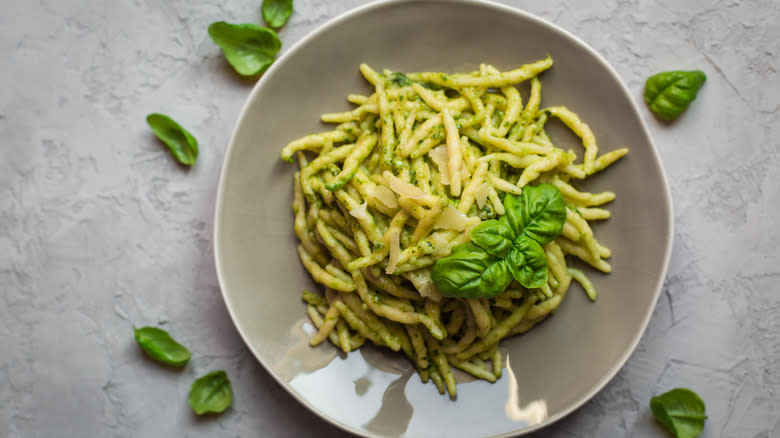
(494, 237)
(669, 93)
(211, 393)
(470, 272)
(507, 248)
(527, 263)
(680, 411)
(277, 12)
(180, 142)
(249, 48)
(160, 346)
(539, 212)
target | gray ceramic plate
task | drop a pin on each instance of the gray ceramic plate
(553, 369)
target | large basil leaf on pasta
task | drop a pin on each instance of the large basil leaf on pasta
(249, 48)
(669, 93)
(470, 272)
(538, 212)
(527, 263)
(494, 237)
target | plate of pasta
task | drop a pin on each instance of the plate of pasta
(460, 230)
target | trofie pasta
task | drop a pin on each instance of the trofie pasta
(403, 179)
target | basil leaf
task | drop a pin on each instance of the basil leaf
(507, 248)
(669, 93)
(527, 263)
(211, 393)
(470, 272)
(494, 237)
(277, 12)
(680, 411)
(249, 48)
(539, 212)
(181, 143)
(160, 346)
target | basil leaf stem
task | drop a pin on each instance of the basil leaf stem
(160, 346)
(680, 411)
(669, 93)
(277, 12)
(249, 48)
(180, 142)
(211, 393)
(505, 249)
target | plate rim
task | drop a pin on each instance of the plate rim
(505, 9)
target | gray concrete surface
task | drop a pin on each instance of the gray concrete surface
(100, 229)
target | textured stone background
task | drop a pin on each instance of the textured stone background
(100, 229)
